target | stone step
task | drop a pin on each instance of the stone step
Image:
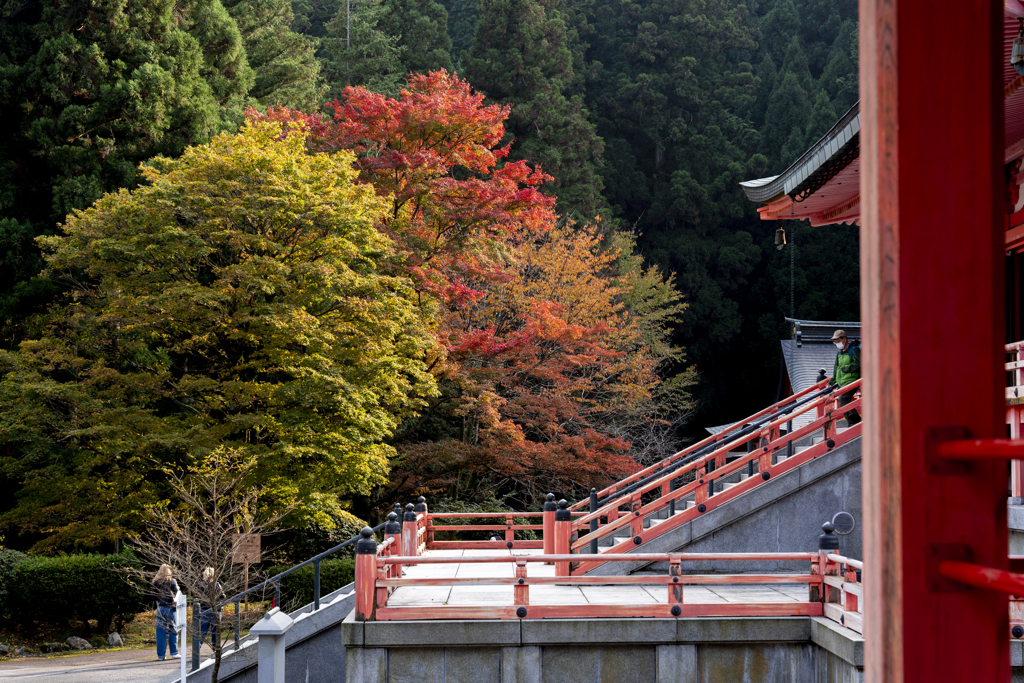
(691, 504)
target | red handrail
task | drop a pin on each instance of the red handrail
(651, 469)
(639, 512)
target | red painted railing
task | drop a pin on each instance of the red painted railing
(729, 436)
(774, 455)
(834, 588)
(1015, 410)
(653, 492)
(843, 591)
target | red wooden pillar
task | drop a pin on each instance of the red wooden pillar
(421, 509)
(675, 589)
(409, 533)
(393, 530)
(548, 533)
(521, 592)
(563, 531)
(366, 575)
(931, 148)
(636, 522)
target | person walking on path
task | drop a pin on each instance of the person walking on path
(210, 593)
(845, 371)
(165, 588)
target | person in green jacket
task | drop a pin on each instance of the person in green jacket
(846, 370)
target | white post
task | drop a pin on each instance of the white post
(180, 625)
(271, 646)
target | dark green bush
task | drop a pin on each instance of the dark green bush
(297, 587)
(54, 590)
(9, 559)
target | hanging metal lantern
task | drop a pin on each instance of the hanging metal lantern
(780, 238)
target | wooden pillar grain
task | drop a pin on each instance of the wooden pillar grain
(932, 297)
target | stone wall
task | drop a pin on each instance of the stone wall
(704, 650)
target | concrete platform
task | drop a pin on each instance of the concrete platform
(755, 649)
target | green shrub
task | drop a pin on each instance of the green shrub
(297, 587)
(9, 559)
(53, 590)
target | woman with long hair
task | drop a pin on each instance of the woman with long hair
(164, 589)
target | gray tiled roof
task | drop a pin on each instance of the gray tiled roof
(803, 362)
(845, 132)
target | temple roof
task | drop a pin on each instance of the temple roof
(823, 185)
(815, 166)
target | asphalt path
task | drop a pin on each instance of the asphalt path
(123, 666)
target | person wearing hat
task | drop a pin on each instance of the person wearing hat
(846, 370)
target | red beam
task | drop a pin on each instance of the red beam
(983, 577)
(811, 609)
(610, 557)
(686, 580)
(932, 234)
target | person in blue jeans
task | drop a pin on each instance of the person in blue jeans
(164, 589)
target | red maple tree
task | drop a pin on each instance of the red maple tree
(546, 347)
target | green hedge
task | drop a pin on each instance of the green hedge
(53, 590)
(297, 587)
(9, 559)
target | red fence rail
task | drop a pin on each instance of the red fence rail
(832, 581)
(774, 455)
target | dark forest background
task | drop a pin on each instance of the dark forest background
(648, 113)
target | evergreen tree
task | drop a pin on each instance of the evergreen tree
(421, 27)
(520, 56)
(87, 91)
(287, 72)
(788, 108)
(462, 18)
(823, 117)
(312, 16)
(368, 57)
(777, 27)
(795, 62)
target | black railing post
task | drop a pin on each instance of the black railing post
(711, 487)
(789, 444)
(316, 585)
(671, 502)
(238, 621)
(197, 635)
(593, 522)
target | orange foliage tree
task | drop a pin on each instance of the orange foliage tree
(553, 335)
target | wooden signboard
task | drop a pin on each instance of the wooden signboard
(247, 549)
